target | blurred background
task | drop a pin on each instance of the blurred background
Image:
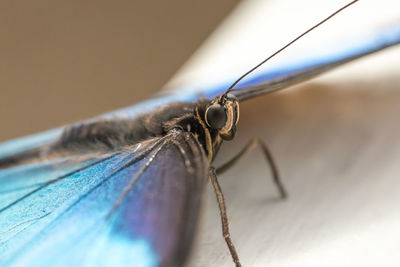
(335, 138)
(63, 61)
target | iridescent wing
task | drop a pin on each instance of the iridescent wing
(281, 77)
(134, 207)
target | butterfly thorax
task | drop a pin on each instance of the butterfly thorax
(209, 121)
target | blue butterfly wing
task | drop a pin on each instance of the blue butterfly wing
(28, 143)
(260, 83)
(131, 208)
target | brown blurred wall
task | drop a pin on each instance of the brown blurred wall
(62, 61)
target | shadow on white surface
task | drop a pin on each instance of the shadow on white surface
(338, 151)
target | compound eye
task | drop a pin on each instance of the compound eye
(216, 116)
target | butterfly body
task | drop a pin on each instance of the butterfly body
(104, 135)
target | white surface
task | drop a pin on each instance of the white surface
(336, 141)
(257, 28)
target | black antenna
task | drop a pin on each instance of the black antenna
(291, 42)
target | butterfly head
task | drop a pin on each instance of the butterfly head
(222, 115)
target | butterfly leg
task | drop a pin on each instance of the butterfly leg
(224, 217)
(274, 169)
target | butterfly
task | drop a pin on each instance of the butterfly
(126, 188)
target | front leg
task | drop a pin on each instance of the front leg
(268, 156)
(224, 216)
